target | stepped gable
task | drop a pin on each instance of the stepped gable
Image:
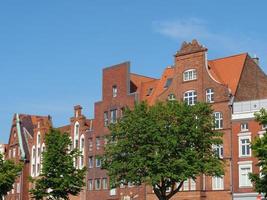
(190, 47)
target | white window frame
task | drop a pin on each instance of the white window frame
(244, 164)
(264, 126)
(193, 184)
(240, 145)
(91, 162)
(98, 162)
(190, 97)
(98, 143)
(104, 183)
(114, 91)
(218, 117)
(189, 75)
(96, 184)
(112, 119)
(112, 192)
(106, 118)
(218, 149)
(171, 97)
(186, 185)
(217, 183)
(90, 184)
(209, 95)
(244, 127)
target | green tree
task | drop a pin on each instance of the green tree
(8, 174)
(163, 145)
(259, 147)
(59, 177)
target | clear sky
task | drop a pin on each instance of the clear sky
(52, 52)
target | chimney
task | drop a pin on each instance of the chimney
(256, 59)
(77, 111)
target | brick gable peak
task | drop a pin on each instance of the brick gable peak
(190, 47)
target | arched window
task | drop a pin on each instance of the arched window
(190, 97)
(190, 74)
(76, 134)
(33, 161)
(82, 151)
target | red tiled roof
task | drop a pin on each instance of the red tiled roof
(228, 70)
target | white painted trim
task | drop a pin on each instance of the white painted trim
(241, 134)
(240, 145)
(245, 162)
(239, 175)
(249, 115)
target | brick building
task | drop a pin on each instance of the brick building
(26, 143)
(244, 130)
(223, 82)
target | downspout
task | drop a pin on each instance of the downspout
(231, 148)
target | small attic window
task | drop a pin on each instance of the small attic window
(114, 90)
(168, 82)
(149, 91)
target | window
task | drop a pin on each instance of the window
(14, 152)
(91, 162)
(13, 191)
(186, 185)
(113, 116)
(104, 183)
(114, 91)
(81, 160)
(171, 97)
(98, 184)
(90, 184)
(18, 187)
(77, 129)
(264, 126)
(244, 127)
(105, 118)
(112, 192)
(192, 184)
(218, 150)
(244, 146)
(97, 141)
(90, 144)
(218, 120)
(98, 162)
(217, 183)
(149, 91)
(244, 170)
(38, 138)
(168, 83)
(209, 95)
(190, 97)
(190, 74)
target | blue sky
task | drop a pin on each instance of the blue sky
(52, 52)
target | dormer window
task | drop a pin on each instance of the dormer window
(168, 83)
(114, 91)
(190, 74)
(171, 97)
(149, 91)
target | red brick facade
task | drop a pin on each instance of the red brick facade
(220, 82)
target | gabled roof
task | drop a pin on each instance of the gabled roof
(228, 70)
(157, 86)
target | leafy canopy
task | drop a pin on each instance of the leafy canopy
(259, 147)
(59, 178)
(8, 174)
(162, 145)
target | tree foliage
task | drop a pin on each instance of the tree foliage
(162, 145)
(259, 147)
(9, 171)
(59, 178)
